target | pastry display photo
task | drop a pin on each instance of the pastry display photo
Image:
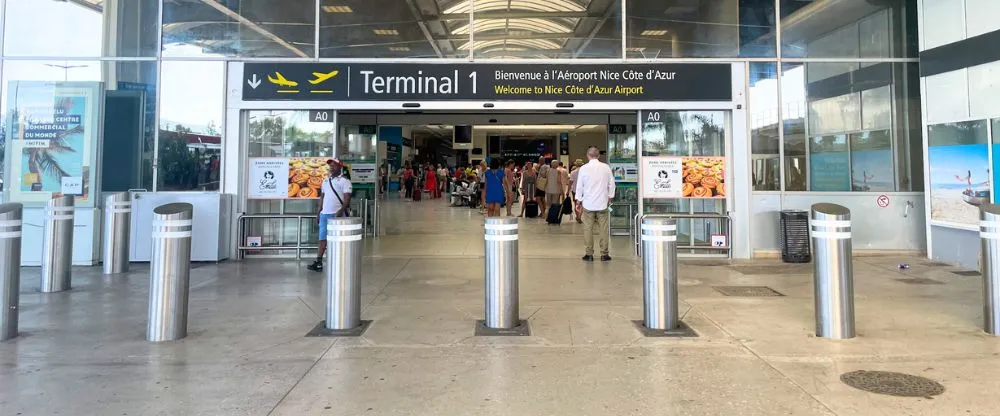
(306, 176)
(704, 177)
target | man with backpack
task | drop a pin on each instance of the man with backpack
(334, 202)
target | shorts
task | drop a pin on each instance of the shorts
(539, 194)
(323, 220)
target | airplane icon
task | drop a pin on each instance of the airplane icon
(320, 77)
(281, 81)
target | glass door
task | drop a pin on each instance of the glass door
(306, 143)
(357, 148)
(624, 160)
(695, 142)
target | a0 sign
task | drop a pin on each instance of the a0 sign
(882, 201)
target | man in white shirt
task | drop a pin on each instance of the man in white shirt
(335, 201)
(595, 187)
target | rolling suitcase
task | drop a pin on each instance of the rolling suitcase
(531, 209)
(416, 194)
(555, 214)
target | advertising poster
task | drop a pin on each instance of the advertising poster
(958, 159)
(362, 172)
(704, 177)
(306, 176)
(266, 178)
(871, 162)
(625, 170)
(662, 177)
(53, 129)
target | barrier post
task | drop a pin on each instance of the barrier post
(989, 233)
(117, 228)
(170, 272)
(57, 245)
(10, 268)
(833, 271)
(501, 280)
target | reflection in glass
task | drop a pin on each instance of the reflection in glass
(190, 143)
(872, 167)
(371, 29)
(258, 28)
(829, 163)
(129, 111)
(546, 29)
(89, 28)
(848, 28)
(793, 114)
(764, 140)
(719, 28)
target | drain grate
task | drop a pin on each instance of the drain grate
(892, 384)
(967, 273)
(747, 291)
(920, 281)
(772, 269)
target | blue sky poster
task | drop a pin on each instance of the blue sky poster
(829, 171)
(959, 182)
(872, 171)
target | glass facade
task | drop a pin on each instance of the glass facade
(162, 67)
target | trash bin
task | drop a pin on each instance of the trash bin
(795, 245)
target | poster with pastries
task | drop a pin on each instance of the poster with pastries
(306, 176)
(704, 177)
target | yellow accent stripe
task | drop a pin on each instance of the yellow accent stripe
(322, 91)
(288, 91)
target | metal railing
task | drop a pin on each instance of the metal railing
(725, 228)
(368, 213)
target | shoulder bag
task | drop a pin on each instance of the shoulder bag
(347, 210)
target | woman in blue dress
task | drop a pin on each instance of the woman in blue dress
(495, 192)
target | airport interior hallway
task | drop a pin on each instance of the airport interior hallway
(83, 352)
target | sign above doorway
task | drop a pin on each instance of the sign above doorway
(317, 81)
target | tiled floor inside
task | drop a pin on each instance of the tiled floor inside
(83, 352)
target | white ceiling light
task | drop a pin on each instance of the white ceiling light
(531, 5)
(399, 48)
(386, 32)
(530, 43)
(338, 9)
(528, 25)
(650, 32)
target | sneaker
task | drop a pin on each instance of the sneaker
(316, 266)
(588, 258)
(605, 258)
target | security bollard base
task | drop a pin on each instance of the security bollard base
(521, 330)
(321, 331)
(682, 331)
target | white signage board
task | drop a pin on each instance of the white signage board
(625, 171)
(662, 177)
(363, 173)
(72, 185)
(267, 178)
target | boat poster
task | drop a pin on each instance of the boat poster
(958, 159)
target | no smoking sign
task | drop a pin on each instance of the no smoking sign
(882, 201)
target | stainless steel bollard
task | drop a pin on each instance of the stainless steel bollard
(117, 224)
(659, 272)
(833, 271)
(989, 233)
(169, 272)
(343, 273)
(501, 273)
(57, 245)
(10, 268)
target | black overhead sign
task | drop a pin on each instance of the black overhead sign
(486, 82)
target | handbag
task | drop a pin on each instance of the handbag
(541, 180)
(347, 210)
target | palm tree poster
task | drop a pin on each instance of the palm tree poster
(53, 127)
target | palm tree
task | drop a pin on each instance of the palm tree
(42, 161)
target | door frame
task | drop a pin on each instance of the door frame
(738, 144)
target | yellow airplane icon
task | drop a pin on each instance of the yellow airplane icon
(320, 77)
(281, 81)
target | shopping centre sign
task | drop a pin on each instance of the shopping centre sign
(316, 81)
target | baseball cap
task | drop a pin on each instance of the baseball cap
(334, 162)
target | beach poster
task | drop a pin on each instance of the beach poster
(960, 177)
(53, 128)
(871, 162)
(829, 164)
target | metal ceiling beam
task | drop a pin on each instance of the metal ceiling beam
(254, 27)
(608, 12)
(500, 14)
(421, 22)
(480, 36)
(88, 5)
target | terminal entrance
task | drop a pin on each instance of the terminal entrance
(675, 136)
(376, 147)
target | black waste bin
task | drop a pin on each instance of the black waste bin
(795, 244)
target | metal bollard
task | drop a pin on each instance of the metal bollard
(343, 273)
(57, 245)
(501, 273)
(117, 224)
(659, 273)
(833, 271)
(989, 233)
(170, 272)
(10, 268)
